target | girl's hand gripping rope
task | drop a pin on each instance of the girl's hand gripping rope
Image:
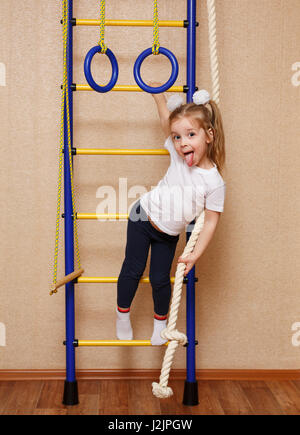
(189, 260)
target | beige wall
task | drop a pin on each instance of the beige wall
(248, 291)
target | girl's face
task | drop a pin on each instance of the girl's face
(191, 142)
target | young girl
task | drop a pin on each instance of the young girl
(195, 139)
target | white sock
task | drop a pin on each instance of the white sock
(156, 339)
(124, 329)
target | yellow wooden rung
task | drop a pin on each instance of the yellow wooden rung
(101, 216)
(127, 23)
(108, 279)
(129, 343)
(121, 152)
(127, 88)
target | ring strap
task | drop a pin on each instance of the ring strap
(156, 45)
(102, 27)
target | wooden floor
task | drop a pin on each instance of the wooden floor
(135, 398)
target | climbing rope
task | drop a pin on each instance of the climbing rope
(175, 337)
(161, 389)
(214, 63)
(156, 44)
(102, 27)
(64, 106)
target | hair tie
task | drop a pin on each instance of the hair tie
(201, 97)
(174, 102)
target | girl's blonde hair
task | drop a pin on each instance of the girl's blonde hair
(208, 116)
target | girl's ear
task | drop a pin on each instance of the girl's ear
(211, 135)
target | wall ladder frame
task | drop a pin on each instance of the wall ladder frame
(71, 389)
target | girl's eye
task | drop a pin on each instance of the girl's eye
(176, 137)
(192, 134)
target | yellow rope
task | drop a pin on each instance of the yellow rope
(156, 45)
(65, 104)
(102, 27)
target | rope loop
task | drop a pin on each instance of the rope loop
(103, 47)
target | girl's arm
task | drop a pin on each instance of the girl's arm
(163, 111)
(205, 236)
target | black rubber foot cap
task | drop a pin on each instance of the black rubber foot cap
(70, 394)
(190, 397)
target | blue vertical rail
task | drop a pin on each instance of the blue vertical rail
(191, 387)
(71, 390)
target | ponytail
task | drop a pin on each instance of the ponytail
(216, 149)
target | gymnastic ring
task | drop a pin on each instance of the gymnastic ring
(168, 84)
(88, 73)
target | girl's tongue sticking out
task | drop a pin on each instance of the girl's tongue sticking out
(189, 157)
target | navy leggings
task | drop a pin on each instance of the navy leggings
(140, 236)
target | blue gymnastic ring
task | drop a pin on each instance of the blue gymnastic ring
(88, 74)
(170, 82)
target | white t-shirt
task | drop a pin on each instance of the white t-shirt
(183, 194)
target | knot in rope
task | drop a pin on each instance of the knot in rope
(161, 392)
(174, 335)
